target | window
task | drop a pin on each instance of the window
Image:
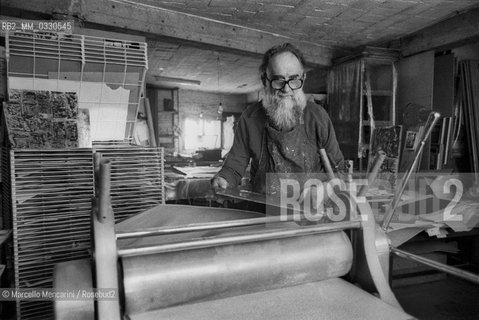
(202, 133)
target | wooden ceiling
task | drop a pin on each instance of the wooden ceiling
(339, 25)
(334, 23)
(209, 40)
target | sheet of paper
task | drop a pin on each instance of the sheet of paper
(109, 114)
(401, 236)
(464, 216)
(198, 172)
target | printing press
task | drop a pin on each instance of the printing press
(187, 262)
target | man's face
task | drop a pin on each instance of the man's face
(284, 106)
(284, 66)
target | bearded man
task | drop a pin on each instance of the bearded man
(282, 133)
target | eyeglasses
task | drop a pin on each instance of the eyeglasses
(279, 84)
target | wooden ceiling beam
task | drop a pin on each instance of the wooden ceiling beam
(148, 19)
(455, 30)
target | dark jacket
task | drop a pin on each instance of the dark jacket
(248, 139)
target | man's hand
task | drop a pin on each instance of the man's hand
(219, 183)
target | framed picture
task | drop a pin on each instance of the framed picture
(410, 140)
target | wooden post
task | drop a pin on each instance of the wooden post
(151, 128)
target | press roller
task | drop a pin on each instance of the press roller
(184, 262)
(158, 281)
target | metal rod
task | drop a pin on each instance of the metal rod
(378, 162)
(466, 275)
(96, 169)
(148, 232)
(247, 237)
(326, 163)
(104, 200)
(431, 122)
(104, 246)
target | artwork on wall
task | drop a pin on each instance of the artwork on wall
(46, 119)
(387, 139)
(410, 140)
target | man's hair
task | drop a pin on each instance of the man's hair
(285, 47)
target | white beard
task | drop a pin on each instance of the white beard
(284, 112)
